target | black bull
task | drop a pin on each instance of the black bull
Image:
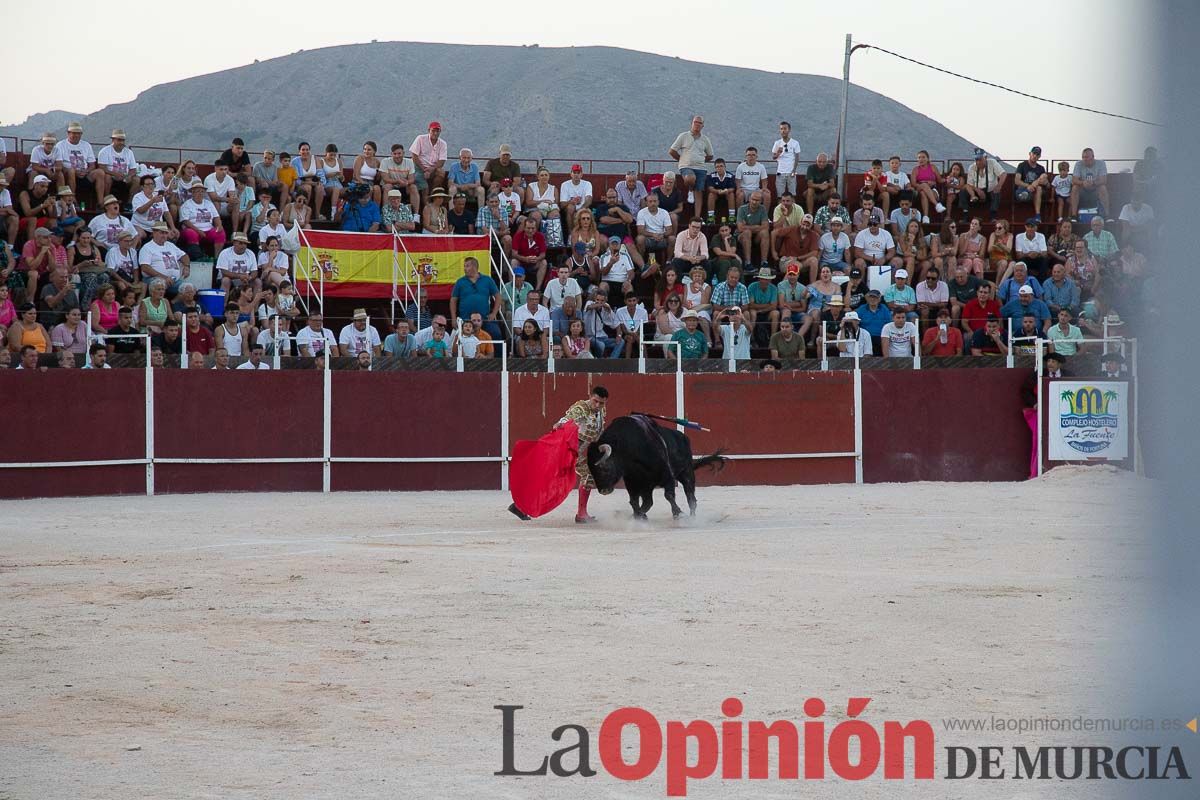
(646, 456)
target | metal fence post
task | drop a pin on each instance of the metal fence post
(149, 422)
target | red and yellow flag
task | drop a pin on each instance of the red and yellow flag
(362, 265)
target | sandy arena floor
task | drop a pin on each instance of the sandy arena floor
(354, 645)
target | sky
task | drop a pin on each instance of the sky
(1033, 47)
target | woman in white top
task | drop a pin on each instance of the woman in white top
(669, 320)
(366, 170)
(272, 228)
(272, 263)
(540, 197)
(329, 170)
(180, 191)
(307, 183)
(150, 206)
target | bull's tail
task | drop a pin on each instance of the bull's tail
(716, 461)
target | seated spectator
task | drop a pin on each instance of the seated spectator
(187, 299)
(833, 208)
(199, 338)
(236, 160)
(1020, 278)
(74, 162)
(971, 245)
(874, 247)
(1138, 223)
(1000, 249)
(221, 359)
(1026, 303)
(786, 343)
(762, 310)
(1026, 338)
(276, 335)
(27, 331)
(793, 302)
(150, 207)
(720, 187)
(196, 361)
(358, 336)
(529, 251)
(900, 296)
(693, 342)
(396, 175)
(1084, 269)
(631, 318)
(500, 169)
(976, 313)
(272, 263)
(873, 315)
(464, 178)
(933, 297)
(466, 343)
(161, 259)
(751, 177)
(585, 233)
(752, 227)
(264, 175)
(873, 182)
(895, 181)
(1101, 243)
(331, 175)
(460, 220)
(925, 181)
(57, 298)
(428, 153)
(38, 258)
(486, 348)
(122, 338)
(942, 339)
(8, 311)
(97, 357)
(1031, 248)
(562, 287)
(366, 171)
(984, 184)
(691, 248)
(575, 344)
(852, 339)
(729, 293)
(42, 162)
(66, 359)
(107, 227)
(962, 289)
(510, 203)
(10, 218)
(1062, 243)
(856, 288)
(71, 333)
(117, 168)
(255, 360)
(237, 265)
(989, 340)
(39, 207)
(170, 341)
(256, 217)
(223, 193)
(723, 251)
(835, 249)
(401, 343)
(821, 186)
(912, 251)
(1032, 182)
(1089, 184)
(656, 235)
(601, 325)
(1054, 366)
(246, 201)
(315, 339)
(1060, 292)
(532, 339)
(900, 217)
(1062, 192)
(575, 195)
(735, 336)
(361, 215)
(232, 334)
(1065, 337)
(532, 309)
(821, 294)
(397, 216)
(867, 211)
(199, 221)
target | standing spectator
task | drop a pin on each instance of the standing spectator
(693, 150)
(984, 184)
(933, 297)
(117, 168)
(315, 338)
(752, 227)
(1062, 192)
(428, 153)
(899, 337)
(990, 339)
(1089, 184)
(199, 221)
(786, 152)
(821, 186)
(1026, 303)
(464, 176)
(474, 293)
(1065, 338)
(976, 313)
(1032, 249)
(925, 180)
(529, 251)
(720, 186)
(502, 168)
(942, 339)
(1060, 292)
(358, 336)
(833, 208)
(751, 177)
(1032, 181)
(575, 195)
(632, 193)
(656, 234)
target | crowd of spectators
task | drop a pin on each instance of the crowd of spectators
(717, 261)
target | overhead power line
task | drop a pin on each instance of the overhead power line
(1008, 89)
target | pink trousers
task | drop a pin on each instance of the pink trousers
(1031, 421)
(214, 236)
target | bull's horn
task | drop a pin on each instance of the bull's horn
(606, 449)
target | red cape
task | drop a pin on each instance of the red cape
(542, 473)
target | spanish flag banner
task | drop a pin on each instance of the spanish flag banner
(361, 265)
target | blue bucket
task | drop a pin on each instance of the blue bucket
(212, 301)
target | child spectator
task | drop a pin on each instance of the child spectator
(1062, 190)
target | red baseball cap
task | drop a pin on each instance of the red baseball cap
(435, 124)
(576, 168)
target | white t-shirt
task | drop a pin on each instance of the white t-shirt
(220, 188)
(874, 245)
(165, 259)
(75, 156)
(1143, 216)
(5, 199)
(126, 263)
(555, 291)
(41, 158)
(655, 223)
(540, 315)
(749, 177)
(393, 171)
(152, 215)
(902, 339)
(786, 160)
(468, 345)
(237, 263)
(897, 179)
(280, 262)
(739, 344)
(108, 231)
(634, 321)
(248, 365)
(570, 191)
(513, 201)
(1037, 245)
(315, 341)
(267, 231)
(832, 250)
(123, 161)
(354, 341)
(620, 269)
(199, 214)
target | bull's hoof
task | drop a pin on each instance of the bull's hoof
(676, 514)
(640, 516)
(584, 519)
(518, 513)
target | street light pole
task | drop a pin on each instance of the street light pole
(841, 148)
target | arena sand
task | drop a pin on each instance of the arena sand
(354, 645)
